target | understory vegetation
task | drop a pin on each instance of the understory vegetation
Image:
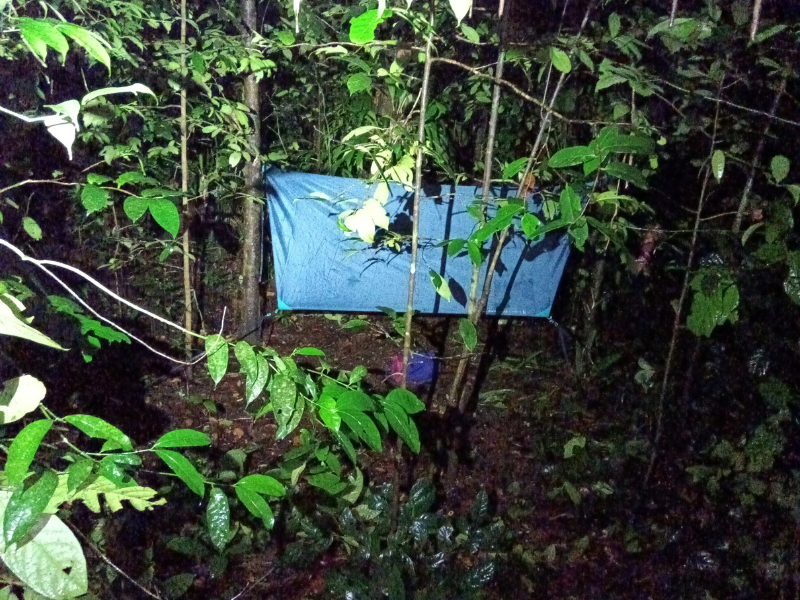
(168, 432)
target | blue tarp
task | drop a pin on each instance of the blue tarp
(320, 268)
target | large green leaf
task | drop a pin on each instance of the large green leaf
(780, 167)
(98, 428)
(26, 506)
(181, 438)
(285, 403)
(469, 335)
(218, 519)
(359, 82)
(362, 28)
(92, 43)
(350, 407)
(165, 213)
(328, 414)
(407, 399)
(93, 198)
(718, 164)
(256, 504)
(217, 352)
(568, 157)
(627, 173)
(40, 35)
(560, 60)
(570, 204)
(181, 466)
(401, 423)
(263, 484)
(23, 449)
(792, 283)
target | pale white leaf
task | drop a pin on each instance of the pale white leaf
(27, 392)
(136, 88)
(12, 324)
(377, 213)
(297, 16)
(361, 222)
(52, 562)
(62, 130)
(460, 8)
(381, 7)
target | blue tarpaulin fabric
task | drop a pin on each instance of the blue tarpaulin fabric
(320, 268)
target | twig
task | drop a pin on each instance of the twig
(676, 325)
(673, 12)
(756, 19)
(27, 181)
(253, 584)
(107, 560)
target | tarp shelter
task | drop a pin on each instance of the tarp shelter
(320, 268)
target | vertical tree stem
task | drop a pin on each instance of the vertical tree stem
(417, 193)
(676, 324)
(186, 242)
(253, 243)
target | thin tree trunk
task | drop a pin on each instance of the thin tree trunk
(186, 242)
(412, 276)
(252, 242)
(472, 308)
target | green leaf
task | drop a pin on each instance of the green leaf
(135, 207)
(573, 493)
(514, 168)
(530, 223)
(135, 177)
(256, 504)
(328, 414)
(98, 428)
(92, 43)
(474, 251)
(350, 407)
(401, 423)
(362, 28)
(134, 88)
(26, 506)
(768, 33)
(198, 63)
(718, 164)
(283, 394)
(560, 60)
(579, 232)
(613, 25)
(285, 37)
(568, 157)
(407, 400)
(177, 585)
(577, 442)
(165, 213)
(263, 484)
(32, 228)
(470, 33)
(218, 518)
(469, 334)
(217, 352)
(78, 472)
(255, 368)
(792, 283)
(359, 82)
(780, 167)
(606, 80)
(455, 246)
(182, 438)
(570, 205)
(329, 482)
(440, 285)
(40, 35)
(181, 466)
(94, 198)
(626, 173)
(52, 563)
(23, 449)
(309, 351)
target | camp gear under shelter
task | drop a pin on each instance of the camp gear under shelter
(318, 267)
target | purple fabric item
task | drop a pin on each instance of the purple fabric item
(421, 368)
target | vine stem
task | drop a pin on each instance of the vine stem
(676, 324)
(185, 240)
